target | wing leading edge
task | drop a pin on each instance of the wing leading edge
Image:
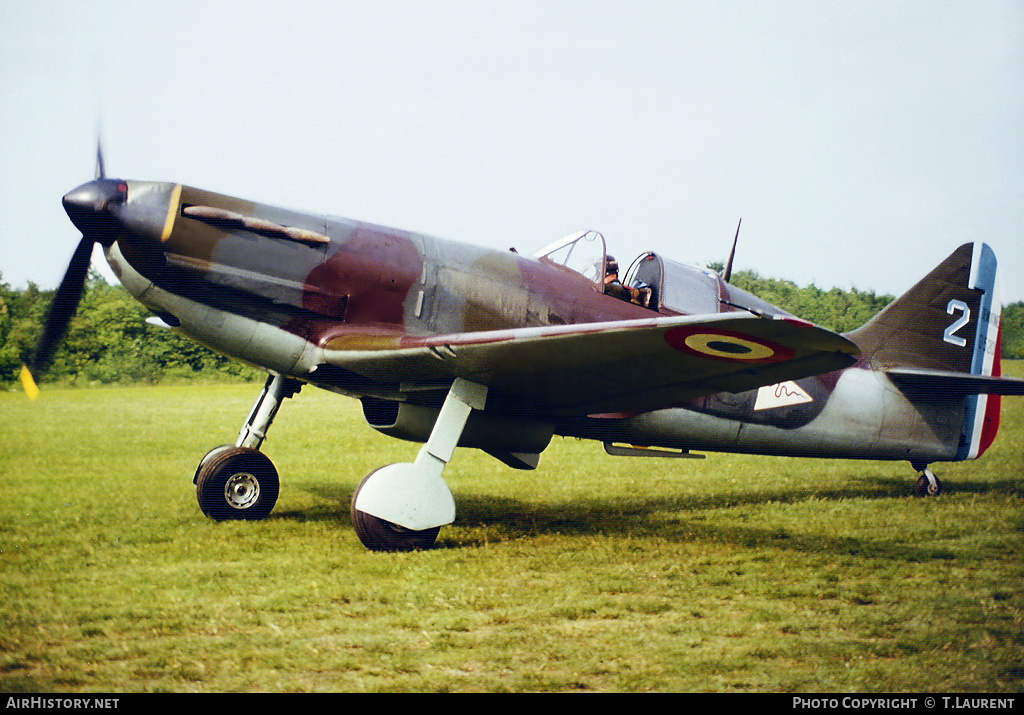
(616, 366)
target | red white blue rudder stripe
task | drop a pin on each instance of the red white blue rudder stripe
(981, 419)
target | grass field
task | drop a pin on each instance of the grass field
(592, 573)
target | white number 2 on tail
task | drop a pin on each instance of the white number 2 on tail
(950, 335)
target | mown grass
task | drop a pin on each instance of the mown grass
(591, 574)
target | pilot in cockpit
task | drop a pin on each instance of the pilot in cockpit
(613, 286)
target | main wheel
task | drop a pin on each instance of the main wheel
(380, 535)
(209, 455)
(237, 483)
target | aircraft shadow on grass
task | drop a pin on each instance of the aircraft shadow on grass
(506, 519)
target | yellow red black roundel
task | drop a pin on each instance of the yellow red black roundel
(726, 345)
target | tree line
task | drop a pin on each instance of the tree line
(109, 340)
(843, 310)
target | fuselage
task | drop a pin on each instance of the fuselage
(278, 289)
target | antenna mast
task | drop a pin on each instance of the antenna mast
(732, 254)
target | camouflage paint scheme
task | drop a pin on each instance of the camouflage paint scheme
(374, 311)
(393, 318)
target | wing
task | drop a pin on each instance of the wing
(621, 366)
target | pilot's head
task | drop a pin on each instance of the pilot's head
(611, 267)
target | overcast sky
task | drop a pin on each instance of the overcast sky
(859, 141)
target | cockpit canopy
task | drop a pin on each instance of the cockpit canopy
(583, 252)
(673, 288)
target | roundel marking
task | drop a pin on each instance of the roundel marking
(726, 345)
(730, 347)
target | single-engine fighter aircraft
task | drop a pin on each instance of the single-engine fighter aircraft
(451, 345)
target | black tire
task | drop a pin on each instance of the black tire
(925, 488)
(380, 535)
(237, 483)
(207, 458)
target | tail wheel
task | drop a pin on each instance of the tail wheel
(928, 485)
(237, 483)
(380, 535)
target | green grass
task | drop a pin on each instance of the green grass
(592, 573)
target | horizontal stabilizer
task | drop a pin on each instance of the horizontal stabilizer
(954, 384)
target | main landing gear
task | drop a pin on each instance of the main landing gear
(399, 507)
(403, 506)
(928, 485)
(238, 481)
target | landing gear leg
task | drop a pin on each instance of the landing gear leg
(238, 481)
(275, 391)
(403, 506)
(928, 485)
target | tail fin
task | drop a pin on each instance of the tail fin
(940, 341)
(948, 321)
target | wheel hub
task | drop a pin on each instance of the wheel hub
(241, 490)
